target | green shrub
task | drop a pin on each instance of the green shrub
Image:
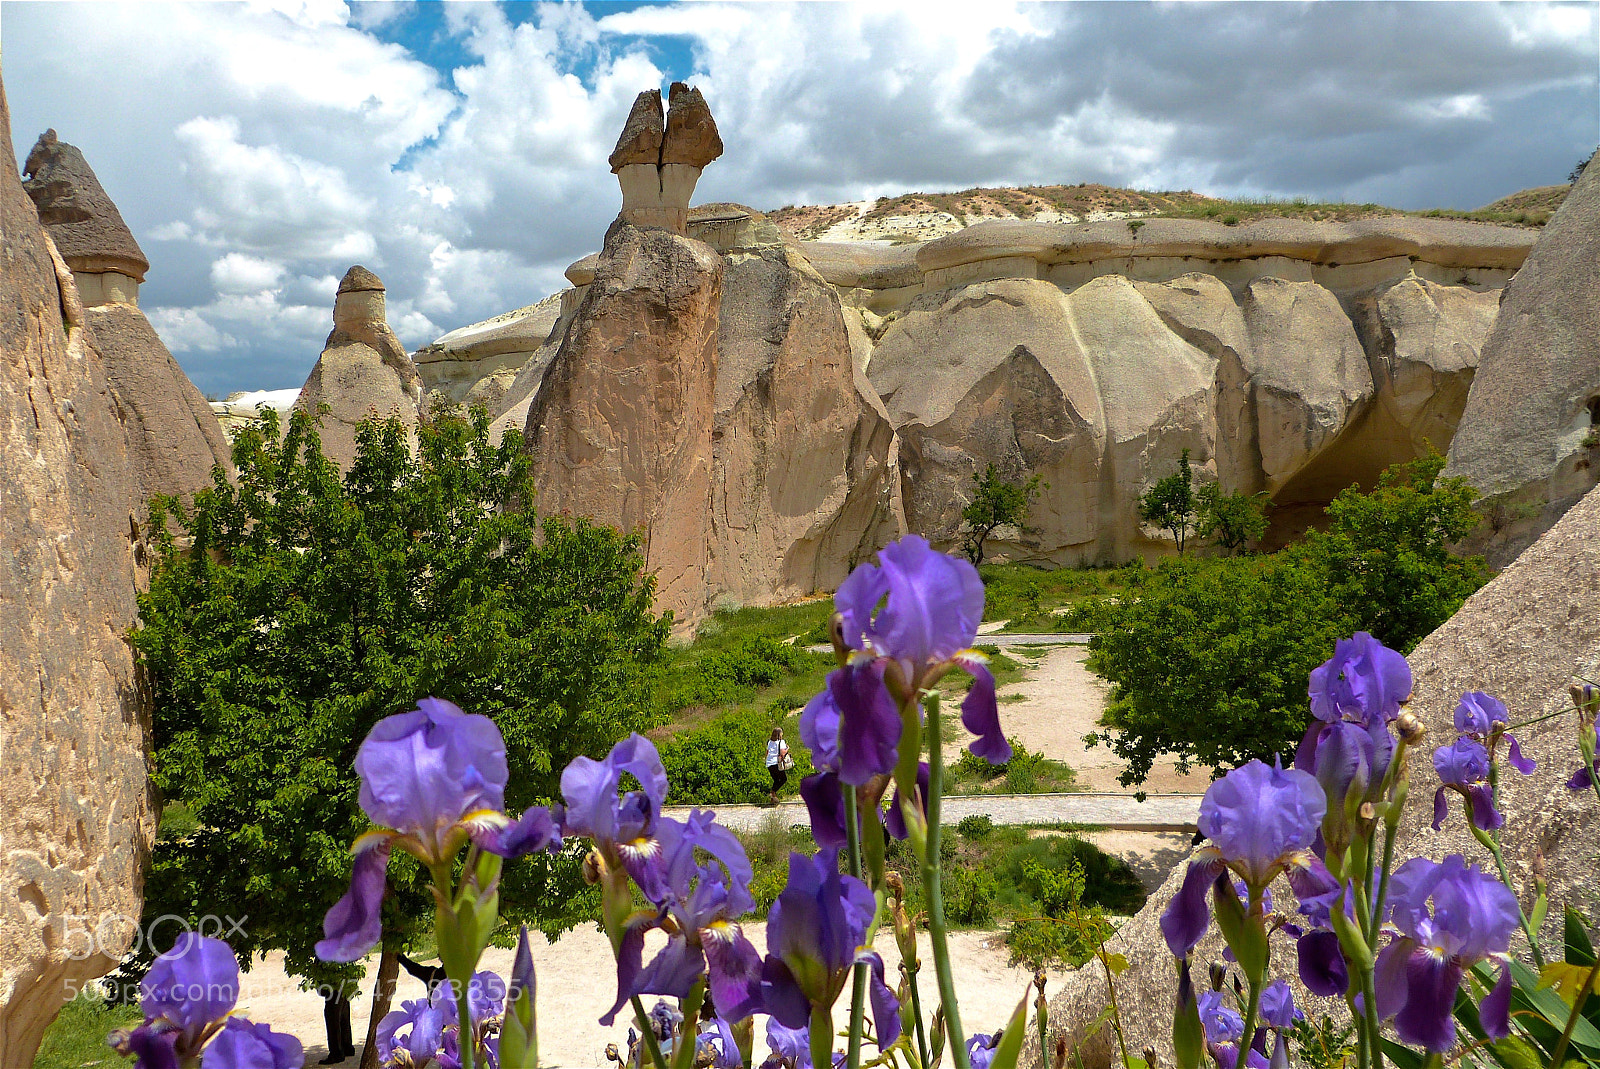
(1108, 882)
(1040, 942)
(729, 674)
(976, 826)
(725, 762)
(969, 896)
(1208, 660)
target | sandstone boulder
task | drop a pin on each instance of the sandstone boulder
(1523, 638)
(658, 160)
(173, 436)
(78, 815)
(621, 429)
(477, 364)
(1530, 436)
(803, 480)
(363, 370)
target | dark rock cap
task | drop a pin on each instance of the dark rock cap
(80, 217)
(692, 136)
(359, 278)
(641, 135)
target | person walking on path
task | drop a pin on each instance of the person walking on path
(778, 762)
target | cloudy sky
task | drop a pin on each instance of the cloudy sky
(259, 149)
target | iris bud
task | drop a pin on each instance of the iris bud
(1188, 1037)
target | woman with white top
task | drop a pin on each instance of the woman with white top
(778, 762)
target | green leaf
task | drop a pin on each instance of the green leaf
(1402, 1057)
(1568, 980)
(1549, 1005)
(1116, 964)
(1580, 951)
(1514, 1053)
(1009, 1048)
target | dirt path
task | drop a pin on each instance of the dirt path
(1055, 706)
(577, 982)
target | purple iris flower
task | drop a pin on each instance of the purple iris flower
(1322, 966)
(1355, 694)
(815, 933)
(243, 1044)
(1471, 919)
(1224, 1029)
(1463, 767)
(190, 989)
(1478, 713)
(414, 1034)
(791, 1047)
(623, 829)
(1277, 1006)
(980, 1049)
(431, 779)
(933, 608)
(894, 820)
(717, 1045)
(704, 905)
(853, 727)
(1260, 821)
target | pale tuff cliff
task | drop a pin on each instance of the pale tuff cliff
(78, 817)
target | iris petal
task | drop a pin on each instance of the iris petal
(1322, 967)
(354, 925)
(1186, 917)
(981, 715)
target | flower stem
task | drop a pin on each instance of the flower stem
(1251, 1010)
(821, 1037)
(935, 893)
(1491, 844)
(464, 1037)
(651, 1044)
(1374, 1029)
(858, 980)
(916, 1016)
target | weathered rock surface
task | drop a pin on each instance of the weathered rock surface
(477, 364)
(658, 160)
(621, 429)
(78, 817)
(803, 469)
(1530, 435)
(1521, 638)
(82, 220)
(173, 436)
(363, 370)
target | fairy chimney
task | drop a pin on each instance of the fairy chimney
(106, 261)
(658, 159)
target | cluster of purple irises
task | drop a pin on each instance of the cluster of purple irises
(1328, 825)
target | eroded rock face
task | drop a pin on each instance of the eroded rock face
(803, 469)
(1522, 638)
(363, 370)
(1530, 436)
(78, 816)
(621, 428)
(477, 364)
(173, 436)
(658, 160)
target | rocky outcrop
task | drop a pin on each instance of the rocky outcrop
(1522, 638)
(85, 225)
(621, 428)
(477, 364)
(363, 370)
(803, 475)
(1530, 436)
(658, 161)
(78, 816)
(173, 436)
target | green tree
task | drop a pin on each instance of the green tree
(290, 612)
(1235, 520)
(1169, 504)
(1209, 659)
(996, 502)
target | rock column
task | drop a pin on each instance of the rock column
(658, 161)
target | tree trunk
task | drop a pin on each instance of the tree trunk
(382, 996)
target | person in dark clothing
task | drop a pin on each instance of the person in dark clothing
(432, 975)
(336, 1020)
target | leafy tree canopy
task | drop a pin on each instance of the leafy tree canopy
(1209, 659)
(996, 502)
(291, 611)
(1235, 520)
(1169, 504)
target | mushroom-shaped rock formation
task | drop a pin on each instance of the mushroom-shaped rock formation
(173, 436)
(658, 159)
(1530, 436)
(97, 245)
(363, 370)
(79, 817)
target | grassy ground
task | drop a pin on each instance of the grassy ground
(78, 1036)
(1027, 597)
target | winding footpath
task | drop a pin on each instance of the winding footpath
(1114, 812)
